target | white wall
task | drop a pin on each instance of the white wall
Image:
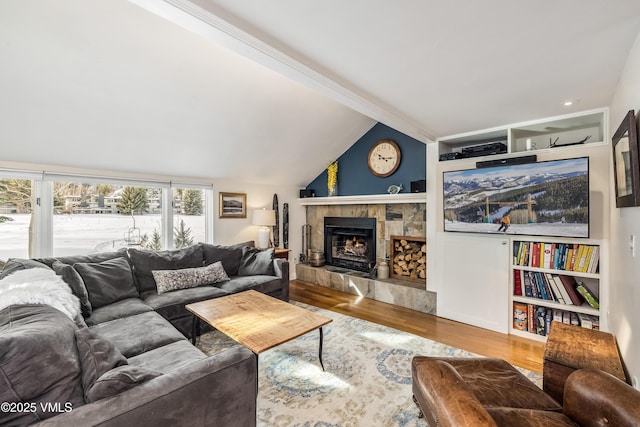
(234, 230)
(625, 269)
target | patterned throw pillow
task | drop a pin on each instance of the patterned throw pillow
(172, 280)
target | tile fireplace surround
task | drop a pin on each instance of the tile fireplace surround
(401, 219)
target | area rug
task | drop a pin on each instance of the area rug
(367, 381)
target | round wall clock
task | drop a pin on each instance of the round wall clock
(384, 158)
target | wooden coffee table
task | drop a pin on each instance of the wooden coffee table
(257, 321)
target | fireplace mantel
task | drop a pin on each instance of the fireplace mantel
(369, 199)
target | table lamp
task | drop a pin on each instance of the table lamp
(265, 218)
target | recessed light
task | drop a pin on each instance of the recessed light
(569, 102)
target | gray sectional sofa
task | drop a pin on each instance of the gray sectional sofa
(127, 359)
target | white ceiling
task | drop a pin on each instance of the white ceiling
(271, 92)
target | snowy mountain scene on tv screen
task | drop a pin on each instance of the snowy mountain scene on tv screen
(538, 199)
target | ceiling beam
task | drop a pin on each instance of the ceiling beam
(205, 23)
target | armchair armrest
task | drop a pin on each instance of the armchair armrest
(444, 397)
(596, 398)
(219, 390)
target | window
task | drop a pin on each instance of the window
(96, 217)
(189, 216)
(16, 216)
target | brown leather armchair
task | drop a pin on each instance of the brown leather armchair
(591, 398)
(583, 381)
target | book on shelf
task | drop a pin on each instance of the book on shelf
(517, 282)
(569, 283)
(587, 295)
(554, 288)
(520, 316)
(538, 320)
(558, 256)
(563, 292)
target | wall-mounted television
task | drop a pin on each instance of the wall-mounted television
(549, 198)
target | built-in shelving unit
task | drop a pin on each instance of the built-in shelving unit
(583, 134)
(545, 275)
(588, 127)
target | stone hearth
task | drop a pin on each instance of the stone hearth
(392, 291)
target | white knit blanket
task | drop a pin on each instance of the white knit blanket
(38, 286)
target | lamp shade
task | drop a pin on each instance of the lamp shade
(264, 217)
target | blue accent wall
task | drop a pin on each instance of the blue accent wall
(354, 177)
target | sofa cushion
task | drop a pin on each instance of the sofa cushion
(75, 282)
(256, 261)
(43, 339)
(171, 280)
(230, 256)
(145, 262)
(107, 281)
(123, 308)
(136, 334)
(264, 284)
(171, 304)
(16, 264)
(117, 380)
(97, 356)
(89, 258)
(168, 357)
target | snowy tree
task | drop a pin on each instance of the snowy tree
(192, 202)
(153, 244)
(134, 200)
(16, 192)
(182, 236)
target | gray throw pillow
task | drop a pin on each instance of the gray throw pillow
(256, 262)
(171, 280)
(118, 380)
(229, 255)
(97, 356)
(144, 262)
(108, 281)
(75, 282)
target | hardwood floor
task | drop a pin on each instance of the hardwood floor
(518, 351)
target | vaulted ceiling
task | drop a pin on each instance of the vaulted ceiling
(273, 91)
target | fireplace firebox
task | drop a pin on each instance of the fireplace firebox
(350, 242)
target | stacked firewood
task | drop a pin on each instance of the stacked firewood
(409, 259)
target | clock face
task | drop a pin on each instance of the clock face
(384, 158)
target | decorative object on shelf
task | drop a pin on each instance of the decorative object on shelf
(384, 158)
(232, 205)
(285, 225)
(265, 218)
(394, 189)
(383, 270)
(332, 179)
(626, 163)
(529, 144)
(555, 144)
(276, 227)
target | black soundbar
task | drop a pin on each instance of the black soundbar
(506, 162)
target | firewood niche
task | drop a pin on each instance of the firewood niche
(408, 258)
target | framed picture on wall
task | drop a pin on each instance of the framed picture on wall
(232, 205)
(626, 163)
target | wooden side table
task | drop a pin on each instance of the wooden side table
(570, 348)
(281, 253)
